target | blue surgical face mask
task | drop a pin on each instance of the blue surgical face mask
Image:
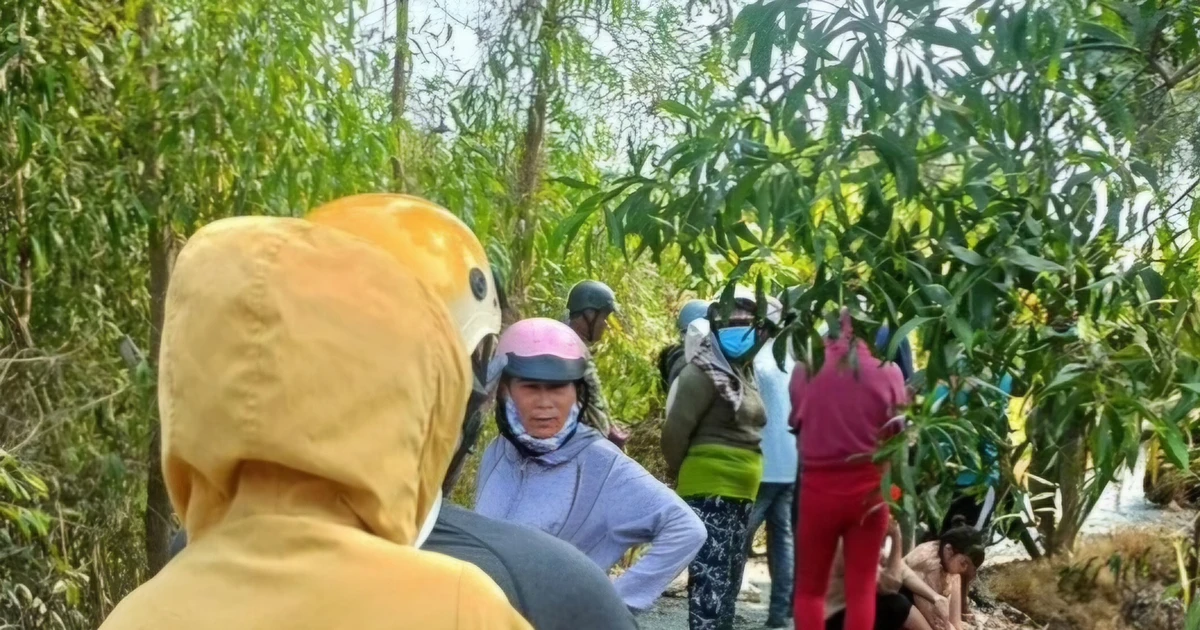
(541, 446)
(736, 341)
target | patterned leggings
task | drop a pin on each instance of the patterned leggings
(715, 575)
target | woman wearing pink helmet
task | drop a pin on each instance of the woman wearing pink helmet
(551, 472)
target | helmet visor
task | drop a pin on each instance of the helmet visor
(545, 368)
(484, 382)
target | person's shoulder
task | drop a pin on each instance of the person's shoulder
(575, 585)
(921, 555)
(604, 450)
(693, 378)
(439, 575)
(495, 448)
(518, 545)
(577, 589)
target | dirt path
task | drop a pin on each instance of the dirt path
(671, 612)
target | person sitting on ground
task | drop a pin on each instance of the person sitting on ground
(311, 394)
(672, 359)
(589, 305)
(976, 489)
(550, 471)
(712, 444)
(943, 564)
(778, 487)
(897, 584)
(842, 415)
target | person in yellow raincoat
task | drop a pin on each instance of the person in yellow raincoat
(574, 594)
(311, 393)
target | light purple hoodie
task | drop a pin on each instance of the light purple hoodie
(595, 497)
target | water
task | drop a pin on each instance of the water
(1122, 504)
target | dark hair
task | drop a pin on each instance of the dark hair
(963, 539)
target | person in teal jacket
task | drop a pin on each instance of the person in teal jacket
(977, 508)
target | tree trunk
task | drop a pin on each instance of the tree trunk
(1060, 460)
(161, 249)
(158, 504)
(1193, 565)
(1072, 469)
(529, 171)
(400, 72)
(24, 300)
(1041, 473)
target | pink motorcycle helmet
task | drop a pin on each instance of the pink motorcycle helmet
(541, 349)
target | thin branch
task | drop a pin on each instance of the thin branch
(1184, 73)
(1185, 195)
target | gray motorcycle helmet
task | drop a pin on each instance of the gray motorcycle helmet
(591, 295)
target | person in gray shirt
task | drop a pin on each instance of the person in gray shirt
(550, 582)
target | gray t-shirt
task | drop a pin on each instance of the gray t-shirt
(551, 583)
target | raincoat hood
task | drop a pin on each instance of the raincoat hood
(305, 373)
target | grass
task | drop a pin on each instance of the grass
(1092, 589)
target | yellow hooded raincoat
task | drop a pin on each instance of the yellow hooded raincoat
(311, 393)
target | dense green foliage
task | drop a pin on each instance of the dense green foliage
(1011, 184)
(969, 175)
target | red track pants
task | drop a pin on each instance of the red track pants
(835, 503)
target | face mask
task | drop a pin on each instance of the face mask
(736, 341)
(540, 446)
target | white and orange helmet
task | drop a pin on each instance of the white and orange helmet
(440, 249)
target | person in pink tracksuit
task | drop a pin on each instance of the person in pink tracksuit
(841, 415)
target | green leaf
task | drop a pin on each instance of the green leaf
(939, 295)
(1193, 616)
(1102, 33)
(574, 183)
(1153, 282)
(1025, 260)
(904, 331)
(1145, 171)
(764, 45)
(933, 34)
(962, 330)
(966, 255)
(1067, 374)
(566, 231)
(678, 109)
(1174, 447)
(903, 164)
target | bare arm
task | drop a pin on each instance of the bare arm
(892, 577)
(955, 603)
(934, 605)
(931, 614)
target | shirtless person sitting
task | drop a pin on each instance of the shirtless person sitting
(897, 586)
(942, 565)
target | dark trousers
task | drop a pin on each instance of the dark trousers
(774, 505)
(715, 575)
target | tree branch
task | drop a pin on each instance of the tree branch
(1183, 73)
(1187, 193)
